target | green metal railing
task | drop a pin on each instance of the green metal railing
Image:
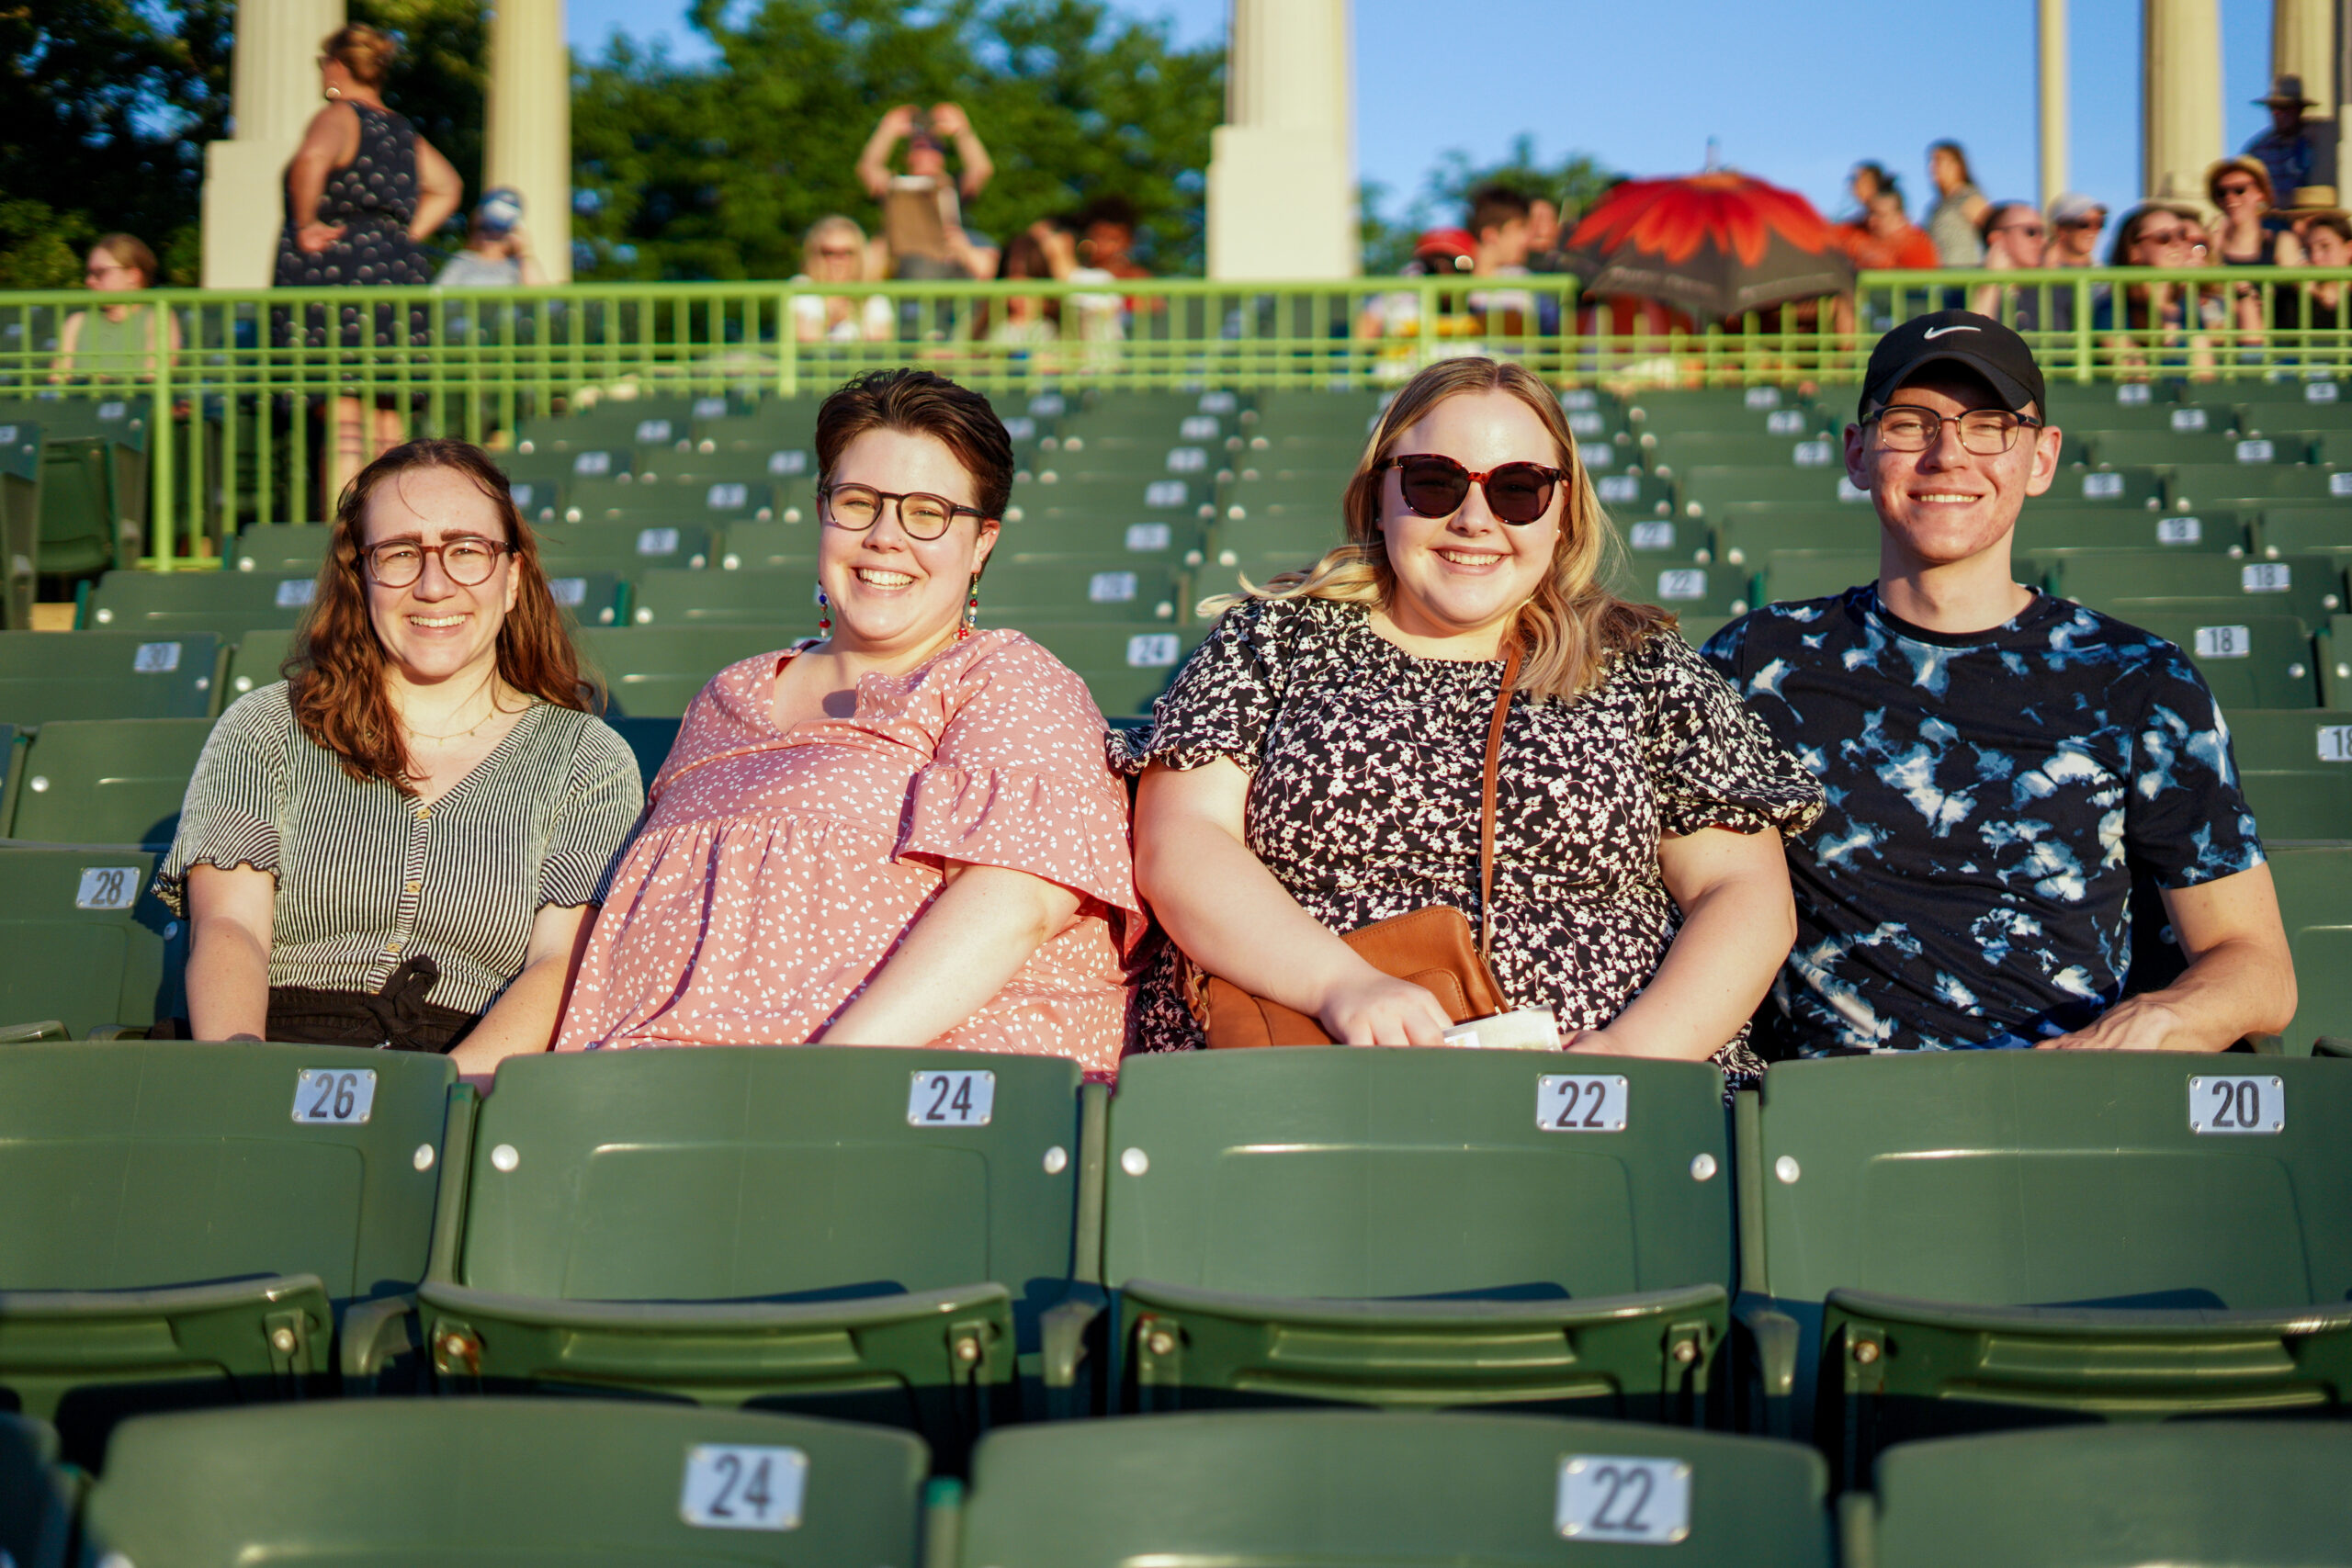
(237, 415)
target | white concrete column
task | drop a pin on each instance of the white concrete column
(1282, 195)
(527, 143)
(274, 79)
(2180, 96)
(2050, 64)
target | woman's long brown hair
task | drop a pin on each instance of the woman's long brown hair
(335, 669)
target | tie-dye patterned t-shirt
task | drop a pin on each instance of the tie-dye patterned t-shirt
(1989, 799)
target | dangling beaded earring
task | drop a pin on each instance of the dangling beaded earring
(824, 615)
(971, 610)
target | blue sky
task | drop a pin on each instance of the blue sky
(1795, 92)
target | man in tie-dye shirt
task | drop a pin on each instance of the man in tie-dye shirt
(1997, 762)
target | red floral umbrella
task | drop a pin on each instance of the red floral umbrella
(1712, 245)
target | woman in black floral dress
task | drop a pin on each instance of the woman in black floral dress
(1316, 767)
(362, 192)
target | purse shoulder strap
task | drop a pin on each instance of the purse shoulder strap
(1487, 805)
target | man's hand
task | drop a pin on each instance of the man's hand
(898, 122)
(2136, 1024)
(948, 120)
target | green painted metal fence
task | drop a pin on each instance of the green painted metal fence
(237, 415)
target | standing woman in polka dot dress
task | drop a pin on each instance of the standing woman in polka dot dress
(362, 193)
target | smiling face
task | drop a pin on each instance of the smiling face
(894, 596)
(437, 629)
(1465, 576)
(1948, 504)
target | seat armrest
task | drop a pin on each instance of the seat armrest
(1778, 1342)
(1067, 1334)
(376, 1336)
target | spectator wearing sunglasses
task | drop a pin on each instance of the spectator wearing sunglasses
(2014, 237)
(2075, 221)
(900, 832)
(836, 251)
(1997, 760)
(401, 843)
(115, 342)
(1317, 764)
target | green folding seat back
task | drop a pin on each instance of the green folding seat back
(45, 676)
(780, 597)
(479, 1482)
(570, 548)
(1693, 590)
(1380, 1489)
(108, 781)
(189, 1224)
(1955, 1241)
(1766, 410)
(94, 480)
(227, 604)
(2254, 484)
(2314, 885)
(1712, 488)
(1667, 541)
(2198, 1494)
(1125, 667)
(20, 487)
(2296, 769)
(2088, 411)
(1697, 630)
(589, 598)
(1306, 412)
(2283, 404)
(1321, 451)
(538, 496)
(2333, 648)
(1789, 575)
(765, 547)
(1751, 533)
(702, 502)
(2248, 661)
(281, 549)
(569, 464)
(88, 946)
(257, 661)
(1158, 519)
(1692, 449)
(886, 1235)
(1072, 592)
(2330, 444)
(654, 671)
(36, 1503)
(649, 739)
(2207, 448)
(2310, 588)
(2324, 530)
(657, 423)
(1629, 496)
(2066, 529)
(2112, 488)
(1417, 1228)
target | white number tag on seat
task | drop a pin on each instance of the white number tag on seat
(294, 592)
(1849, 491)
(1813, 454)
(1151, 650)
(2224, 642)
(111, 411)
(1187, 459)
(726, 497)
(657, 541)
(2256, 451)
(2188, 418)
(2319, 391)
(650, 430)
(1618, 490)
(2249, 1104)
(568, 590)
(1586, 421)
(327, 1097)
(961, 1098)
(1580, 1102)
(1164, 493)
(1784, 422)
(733, 1486)
(106, 888)
(1021, 427)
(1197, 427)
(1144, 537)
(1652, 535)
(2335, 742)
(1578, 398)
(2339, 484)
(1111, 587)
(2180, 530)
(523, 494)
(592, 463)
(1596, 454)
(1217, 402)
(1763, 397)
(792, 460)
(2267, 577)
(2130, 394)
(1682, 584)
(1642, 1502)
(710, 408)
(155, 659)
(2096, 486)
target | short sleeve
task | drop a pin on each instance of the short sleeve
(1222, 700)
(2185, 815)
(229, 815)
(1711, 763)
(1019, 781)
(603, 796)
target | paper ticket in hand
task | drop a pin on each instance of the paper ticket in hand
(1527, 1028)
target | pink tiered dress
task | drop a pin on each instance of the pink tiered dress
(774, 870)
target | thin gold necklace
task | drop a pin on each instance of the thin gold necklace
(458, 734)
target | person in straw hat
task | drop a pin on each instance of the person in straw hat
(2287, 149)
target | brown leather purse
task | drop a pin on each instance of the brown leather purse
(1431, 947)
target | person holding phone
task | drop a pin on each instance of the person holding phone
(923, 212)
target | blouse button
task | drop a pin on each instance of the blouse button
(412, 886)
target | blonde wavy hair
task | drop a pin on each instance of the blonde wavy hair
(1573, 627)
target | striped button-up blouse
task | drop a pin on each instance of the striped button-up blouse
(368, 877)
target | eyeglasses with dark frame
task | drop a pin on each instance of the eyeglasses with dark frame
(1434, 485)
(466, 559)
(1989, 433)
(922, 515)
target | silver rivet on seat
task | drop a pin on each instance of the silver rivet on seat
(39, 785)
(423, 1158)
(1785, 1167)
(282, 1341)
(1056, 1160)
(1702, 1167)
(1134, 1162)
(505, 1158)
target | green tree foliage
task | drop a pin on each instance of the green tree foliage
(1575, 182)
(715, 171)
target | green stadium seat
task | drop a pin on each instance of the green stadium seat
(1352, 1489)
(1071, 593)
(257, 661)
(709, 503)
(48, 675)
(20, 486)
(882, 1234)
(568, 466)
(1125, 667)
(108, 781)
(2315, 900)
(2065, 529)
(656, 423)
(94, 479)
(189, 1223)
(1417, 1228)
(1762, 411)
(2334, 651)
(2112, 488)
(1753, 531)
(649, 739)
(538, 498)
(1303, 412)
(571, 549)
(87, 943)
(35, 1500)
(1715, 449)
(1625, 496)
(765, 547)
(2202, 1495)
(2307, 587)
(2085, 412)
(1710, 488)
(1686, 590)
(1158, 519)
(1973, 1239)
(1666, 541)
(2248, 661)
(776, 597)
(654, 671)
(2210, 449)
(1791, 575)
(2254, 485)
(226, 604)
(281, 549)
(2306, 530)
(484, 1482)
(2296, 769)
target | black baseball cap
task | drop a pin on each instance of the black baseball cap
(1962, 337)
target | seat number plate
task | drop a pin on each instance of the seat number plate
(156, 658)
(1652, 535)
(329, 1097)
(1813, 454)
(1618, 490)
(2180, 530)
(792, 460)
(737, 1487)
(1143, 537)
(568, 590)
(1187, 460)
(1151, 650)
(294, 592)
(2267, 577)
(2224, 642)
(1682, 584)
(727, 497)
(2095, 486)
(963, 1098)
(2339, 484)
(2335, 742)
(1111, 587)
(106, 888)
(1580, 1102)
(2256, 451)
(1642, 1502)
(657, 541)
(1164, 493)
(2237, 1105)
(2188, 418)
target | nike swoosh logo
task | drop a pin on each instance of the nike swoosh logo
(1933, 333)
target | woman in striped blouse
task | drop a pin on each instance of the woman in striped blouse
(400, 845)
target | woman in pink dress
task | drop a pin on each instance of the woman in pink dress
(906, 834)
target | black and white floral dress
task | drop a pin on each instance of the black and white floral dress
(1365, 765)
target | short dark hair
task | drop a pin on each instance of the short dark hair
(919, 403)
(1112, 209)
(2336, 224)
(1494, 204)
(1997, 211)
